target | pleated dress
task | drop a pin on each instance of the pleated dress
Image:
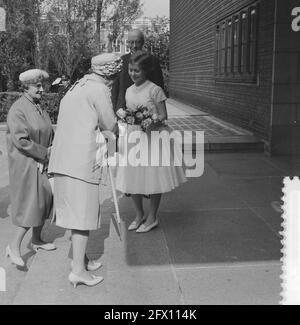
(147, 159)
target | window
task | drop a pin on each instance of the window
(127, 47)
(117, 46)
(236, 46)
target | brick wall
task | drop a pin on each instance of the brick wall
(192, 57)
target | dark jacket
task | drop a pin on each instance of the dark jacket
(123, 81)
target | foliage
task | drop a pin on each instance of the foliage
(69, 50)
(32, 41)
(16, 44)
(50, 102)
(158, 43)
(121, 14)
(72, 44)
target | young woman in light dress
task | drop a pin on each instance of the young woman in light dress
(146, 178)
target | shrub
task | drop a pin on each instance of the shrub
(50, 102)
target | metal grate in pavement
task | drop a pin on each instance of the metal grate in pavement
(208, 124)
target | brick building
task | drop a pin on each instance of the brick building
(240, 61)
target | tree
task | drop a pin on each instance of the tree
(73, 42)
(79, 39)
(121, 14)
(158, 43)
(16, 44)
(31, 38)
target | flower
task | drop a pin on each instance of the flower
(130, 120)
(139, 115)
(146, 123)
(155, 118)
(121, 113)
(146, 113)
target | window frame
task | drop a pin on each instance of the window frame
(117, 46)
(238, 63)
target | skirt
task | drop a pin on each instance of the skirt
(148, 178)
(76, 204)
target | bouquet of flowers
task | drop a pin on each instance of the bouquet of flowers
(139, 116)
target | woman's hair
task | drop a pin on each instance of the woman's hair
(24, 86)
(143, 60)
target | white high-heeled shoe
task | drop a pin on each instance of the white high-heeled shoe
(91, 265)
(143, 228)
(45, 247)
(75, 280)
(14, 258)
(135, 225)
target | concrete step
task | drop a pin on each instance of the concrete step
(233, 145)
(198, 143)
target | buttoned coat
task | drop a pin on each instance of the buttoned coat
(29, 134)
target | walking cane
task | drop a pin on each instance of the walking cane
(115, 198)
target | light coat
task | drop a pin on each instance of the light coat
(85, 111)
(29, 134)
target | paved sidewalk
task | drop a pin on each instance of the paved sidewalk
(218, 242)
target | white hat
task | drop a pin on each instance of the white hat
(33, 76)
(106, 64)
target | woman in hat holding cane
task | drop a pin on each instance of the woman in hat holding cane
(85, 111)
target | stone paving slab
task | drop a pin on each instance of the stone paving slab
(137, 251)
(209, 125)
(218, 236)
(271, 217)
(243, 168)
(140, 287)
(203, 193)
(238, 284)
(256, 192)
(290, 165)
(47, 280)
(176, 108)
(14, 276)
(46, 274)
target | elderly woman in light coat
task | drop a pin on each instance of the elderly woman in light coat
(29, 138)
(85, 111)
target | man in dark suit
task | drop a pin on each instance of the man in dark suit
(136, 42)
